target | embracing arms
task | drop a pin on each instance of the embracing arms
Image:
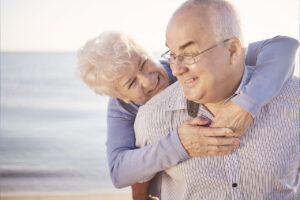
(274, 61)
(128, 164)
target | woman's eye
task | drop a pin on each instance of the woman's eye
(143, 64)
(132, 84)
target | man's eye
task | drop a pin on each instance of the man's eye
(172, 56)
(188, 56)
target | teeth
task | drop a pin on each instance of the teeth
(190, 81)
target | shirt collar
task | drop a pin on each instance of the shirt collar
(246, 77)
(177, 100)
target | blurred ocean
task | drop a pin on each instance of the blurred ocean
(53, 128)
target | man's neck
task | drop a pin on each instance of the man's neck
(214, 108)
(236, 80)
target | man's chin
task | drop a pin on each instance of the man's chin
(189, 95)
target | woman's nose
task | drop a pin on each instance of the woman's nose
(146, 79)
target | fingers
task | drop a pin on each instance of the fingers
(217, 150)
(221, 153)
(220, 141)
(221, 149)
(200, 121)
(214, 132)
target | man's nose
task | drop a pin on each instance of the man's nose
(178, 68)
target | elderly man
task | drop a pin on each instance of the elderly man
(207, 58)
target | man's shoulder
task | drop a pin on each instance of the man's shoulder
(286, 104)
(290, 92)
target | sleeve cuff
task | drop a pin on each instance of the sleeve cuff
(246, 103)
(177, 146)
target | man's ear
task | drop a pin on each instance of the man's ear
(235, 49)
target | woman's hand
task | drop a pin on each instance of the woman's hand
(199, 140)
(234, 117)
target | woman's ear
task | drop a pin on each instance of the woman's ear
(235, 49)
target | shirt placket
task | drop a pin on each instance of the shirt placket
(231, 162)
(234, 176)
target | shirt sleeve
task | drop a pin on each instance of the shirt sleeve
(129, 165)
(273, 62)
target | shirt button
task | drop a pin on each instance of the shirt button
(234, 184)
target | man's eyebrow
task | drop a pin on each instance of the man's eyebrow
(182, 47)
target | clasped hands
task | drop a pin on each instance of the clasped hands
(221, 137)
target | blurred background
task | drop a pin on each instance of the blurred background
(52, 126)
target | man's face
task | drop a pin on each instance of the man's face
(143, 82)
(205, 80)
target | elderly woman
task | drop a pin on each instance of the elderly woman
(115, 65)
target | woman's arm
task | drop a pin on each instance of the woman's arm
(127, 164)
(274, 65)
(273, 62)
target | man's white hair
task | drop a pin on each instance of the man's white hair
(223, 17)
(104, 59)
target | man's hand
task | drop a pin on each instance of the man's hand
(206, 141)
(234, 117)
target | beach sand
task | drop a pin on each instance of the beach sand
(73, 197)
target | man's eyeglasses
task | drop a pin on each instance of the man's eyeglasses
(187, 58)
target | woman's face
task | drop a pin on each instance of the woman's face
(146, 80)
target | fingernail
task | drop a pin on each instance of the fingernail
(236, 141)
(229, 152)
(235, 147)
(229, 131)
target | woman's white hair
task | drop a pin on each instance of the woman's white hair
(104, 59)
(223, 17)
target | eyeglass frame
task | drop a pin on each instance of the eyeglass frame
(189, 54)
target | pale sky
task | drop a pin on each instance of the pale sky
(65, 25)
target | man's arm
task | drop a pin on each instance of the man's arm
(274, 65)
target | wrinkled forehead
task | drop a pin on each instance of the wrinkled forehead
(129, 68)
(135, 60)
